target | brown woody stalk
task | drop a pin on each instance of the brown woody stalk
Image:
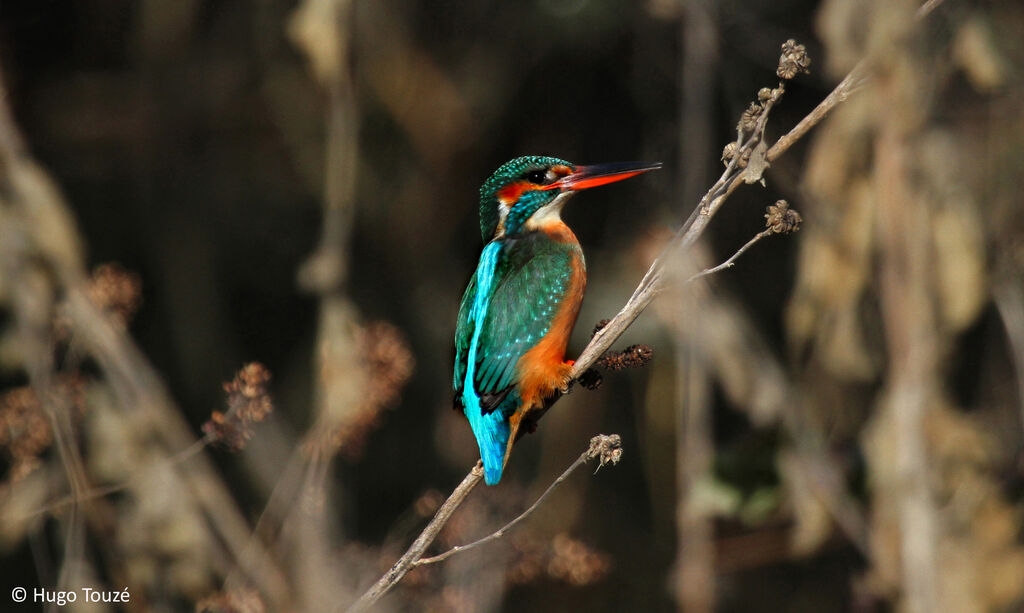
(606, 448)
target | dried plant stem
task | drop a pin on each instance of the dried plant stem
(1009, 301)
(106, 490)
(606, 448)
(852, 81)
(731, 179)
(732, 260)
(415, 551)
(695, 550)
(500, 532)
(34, 210)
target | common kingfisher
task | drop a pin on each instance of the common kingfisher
(521, 304)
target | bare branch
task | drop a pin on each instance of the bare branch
(41, 220)
(607, 448)
(596, 444)
(415, 551)
(732, 260)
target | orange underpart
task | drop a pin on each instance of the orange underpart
(543, 370)
(560, 233)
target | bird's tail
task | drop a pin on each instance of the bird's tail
(492, 437)
(492, 434)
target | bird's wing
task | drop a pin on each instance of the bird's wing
(533, 279)
(464, 328)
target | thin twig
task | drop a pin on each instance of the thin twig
(106, 490)
(1009, 301)
(406, 562)
(732, 260)
(606, 448)
(38, 206)
(852, 81)
(580, 461)
(695, 575)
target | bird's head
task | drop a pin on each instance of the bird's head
(526, 192)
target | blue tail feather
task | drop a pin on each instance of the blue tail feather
(491, 432)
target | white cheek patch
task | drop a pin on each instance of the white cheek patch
(503, 210)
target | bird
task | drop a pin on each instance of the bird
(521, 303)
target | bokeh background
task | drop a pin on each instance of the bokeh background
(834, 424)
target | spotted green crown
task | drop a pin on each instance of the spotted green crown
(510, 172)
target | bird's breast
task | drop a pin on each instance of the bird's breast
(542, 370)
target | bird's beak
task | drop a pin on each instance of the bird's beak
(601, 174)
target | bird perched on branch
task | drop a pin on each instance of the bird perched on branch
(521, 304)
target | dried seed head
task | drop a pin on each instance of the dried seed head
(630, 357)
(590, 379)
(793, 61)
(729, 152)
(781, 219)
(606, 447)
(25, 432)
(748, 120)
(116, 291)
(248, 403)
(387, 363)
(764, 94)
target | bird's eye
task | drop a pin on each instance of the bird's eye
(536, 176)
(541, 177)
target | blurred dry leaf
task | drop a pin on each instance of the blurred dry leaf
(421, 97)
(384, 363)
(163, 535)
(575, 563)
(49, 225)
(975, 52)
(844, 25)
(314, 28)
(813, 518)
(959, 265)
(18, 505)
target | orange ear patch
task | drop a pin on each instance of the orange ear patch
(510, 194)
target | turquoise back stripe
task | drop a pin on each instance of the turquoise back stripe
(491, 430)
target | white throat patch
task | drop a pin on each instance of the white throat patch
(549, 213)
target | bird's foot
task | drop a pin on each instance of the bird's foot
(566, 377)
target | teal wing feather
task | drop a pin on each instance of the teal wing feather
(520, 314)
(530, 282)
(463, 336)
